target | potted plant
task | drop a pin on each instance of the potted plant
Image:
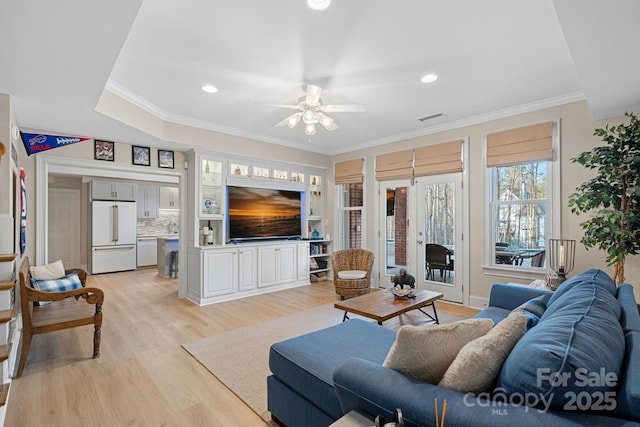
(613, 195)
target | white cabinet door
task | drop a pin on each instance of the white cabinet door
(267, 267)
(287, 263)
(247, 272)
(104, 190)
(147, 201)
(101, 190)
(124, 191)
(276, 265)
(303, 261)
(169, 198)
(219, 272)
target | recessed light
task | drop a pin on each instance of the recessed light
(318, 4)
(209, 88)
(429, 78)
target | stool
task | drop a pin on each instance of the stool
(173, 267)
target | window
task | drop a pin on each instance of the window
(519, 208)
(350, 215)
(523, 199)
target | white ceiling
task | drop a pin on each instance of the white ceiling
(493, 58)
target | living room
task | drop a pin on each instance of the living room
(128, 124)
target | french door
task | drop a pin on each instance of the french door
(421, 231)
(439, 227)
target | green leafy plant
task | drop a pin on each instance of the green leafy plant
(613, 195)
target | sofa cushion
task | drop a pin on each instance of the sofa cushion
(628, 393)
(578, 335)
(533, 309)
(629, 317)
(425, 352)
(496, 314)
(306, 363)
(475, 368)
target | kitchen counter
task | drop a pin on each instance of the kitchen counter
(167, 243)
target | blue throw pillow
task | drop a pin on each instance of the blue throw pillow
(66, 283)
(534, 309)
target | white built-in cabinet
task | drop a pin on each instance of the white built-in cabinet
(247, 271)
(169, 198)
(105, 190)
(276, 265)
(219, 270)
(147, 201)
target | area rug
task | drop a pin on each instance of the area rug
(240, 358)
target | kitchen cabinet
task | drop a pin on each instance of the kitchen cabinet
(105, 190)
(169, 198)
(147, 201)
(276, 265)
(147, 251)
(165, 245)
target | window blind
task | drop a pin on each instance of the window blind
(438, 159)
(394, 165)
(349, 172)
(521, 145)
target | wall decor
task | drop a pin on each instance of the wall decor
(103, 150)
(140, 156)
(165, 159)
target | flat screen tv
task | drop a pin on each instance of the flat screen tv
(261, 213)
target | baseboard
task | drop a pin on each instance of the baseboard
(478, 302)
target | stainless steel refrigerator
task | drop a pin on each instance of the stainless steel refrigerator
(113, 236)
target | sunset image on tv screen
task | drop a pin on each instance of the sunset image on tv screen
(263, 213)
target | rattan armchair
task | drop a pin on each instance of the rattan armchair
(352, 259)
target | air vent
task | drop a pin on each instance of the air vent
(431, 116)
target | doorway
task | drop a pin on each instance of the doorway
(64, 226)
(421, 230)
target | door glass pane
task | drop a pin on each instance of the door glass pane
(439, 232)
(397, 230)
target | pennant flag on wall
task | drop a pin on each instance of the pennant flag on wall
(37, 142)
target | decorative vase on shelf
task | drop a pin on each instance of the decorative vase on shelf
(315, 234)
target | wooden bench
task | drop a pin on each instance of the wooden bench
(68, 309)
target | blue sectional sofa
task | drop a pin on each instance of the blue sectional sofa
(580, 364)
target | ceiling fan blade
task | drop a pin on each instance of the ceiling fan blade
(343, 108)
(289, 106)
(326, 121)
(313, 94)
(290, 121)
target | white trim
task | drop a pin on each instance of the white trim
(46, 164)
(554, 205)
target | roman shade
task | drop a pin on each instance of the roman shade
(521, 145)
(438, 159)
(394, 165)
(348, 172)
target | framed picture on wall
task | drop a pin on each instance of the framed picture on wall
(140, 156)
(165, 159)
(103, 150)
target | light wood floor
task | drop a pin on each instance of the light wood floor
(144, 377)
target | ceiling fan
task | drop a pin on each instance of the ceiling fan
(312, 111)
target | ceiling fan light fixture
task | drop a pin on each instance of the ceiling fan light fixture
(318, 4)
(209, 88)
(310, 129)
(309, 117)
(294, 120)
(429, 78)
(325, 121)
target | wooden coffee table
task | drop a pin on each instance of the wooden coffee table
(380, 306)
